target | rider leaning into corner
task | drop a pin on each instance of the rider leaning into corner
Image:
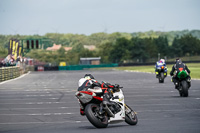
(176, 68)
(89, 82)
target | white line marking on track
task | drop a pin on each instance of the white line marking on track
(157, 105)
(39, 114)
(11, 109)
(164, 99)
(175, 110)
(39, 103)
(54, 122)
(37, 90)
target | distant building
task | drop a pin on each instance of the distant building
(90, 61)
(57, 47)
(67, 48)
(89, 47)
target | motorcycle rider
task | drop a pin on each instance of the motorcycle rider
(176, 68)
(89, 82)
(161, 62)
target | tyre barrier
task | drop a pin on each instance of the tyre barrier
(7, 73)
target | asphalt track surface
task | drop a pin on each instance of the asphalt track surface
(44, 102)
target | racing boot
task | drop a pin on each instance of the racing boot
(176, 85)
(189, 81)
(82, 111)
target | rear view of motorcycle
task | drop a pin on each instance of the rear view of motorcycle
(183, 84)
(99, 114)
(161, 73)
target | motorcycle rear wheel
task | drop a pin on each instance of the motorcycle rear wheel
(91, 112)
(130, 116)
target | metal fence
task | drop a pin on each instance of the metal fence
(81, 67)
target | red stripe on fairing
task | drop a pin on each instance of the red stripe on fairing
(86, 92)
(105, 90)
(111, 86)
(98, 98)
(102, 85)
(87, 83)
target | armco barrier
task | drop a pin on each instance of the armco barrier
(81, 67)
(7, 73)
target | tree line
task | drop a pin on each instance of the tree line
(115, 47)
(126, 50)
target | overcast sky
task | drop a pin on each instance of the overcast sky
(29, 17)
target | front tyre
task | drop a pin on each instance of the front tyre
(161, 78)
(92, 114)
(130, 116)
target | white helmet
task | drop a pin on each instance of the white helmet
(81, 81)
(162, 60)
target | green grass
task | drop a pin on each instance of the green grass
(194, 68)
(186, 58)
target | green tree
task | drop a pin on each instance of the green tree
(162, 45)
(3, 52)
(150, 48)
(137, 49)
(190, 45)
(104, 51)
(120, 51)
(176, 48)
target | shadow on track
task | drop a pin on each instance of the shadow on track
(109, 126)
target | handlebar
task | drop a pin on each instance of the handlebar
(112, 86)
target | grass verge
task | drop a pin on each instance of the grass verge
(194, 68)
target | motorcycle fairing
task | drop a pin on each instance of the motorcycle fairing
(84, 96)
(120, 116)
(161, 67)
(182, 74)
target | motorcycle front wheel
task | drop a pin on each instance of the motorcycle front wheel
(92, 114)
(130, 116)
(161, 78)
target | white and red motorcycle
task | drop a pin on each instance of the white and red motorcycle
(99, 114)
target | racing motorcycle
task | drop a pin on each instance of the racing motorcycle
(99, 114)
(183, 84)
(161, 73)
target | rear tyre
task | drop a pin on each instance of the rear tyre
(184, 88)
(130, 116)
(92, 114)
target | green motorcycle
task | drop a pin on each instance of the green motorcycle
(183, 84)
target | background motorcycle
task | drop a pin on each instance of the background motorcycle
(183, 85)
(101, 115)
(161, 73)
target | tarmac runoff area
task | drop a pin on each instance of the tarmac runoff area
(45, 102)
